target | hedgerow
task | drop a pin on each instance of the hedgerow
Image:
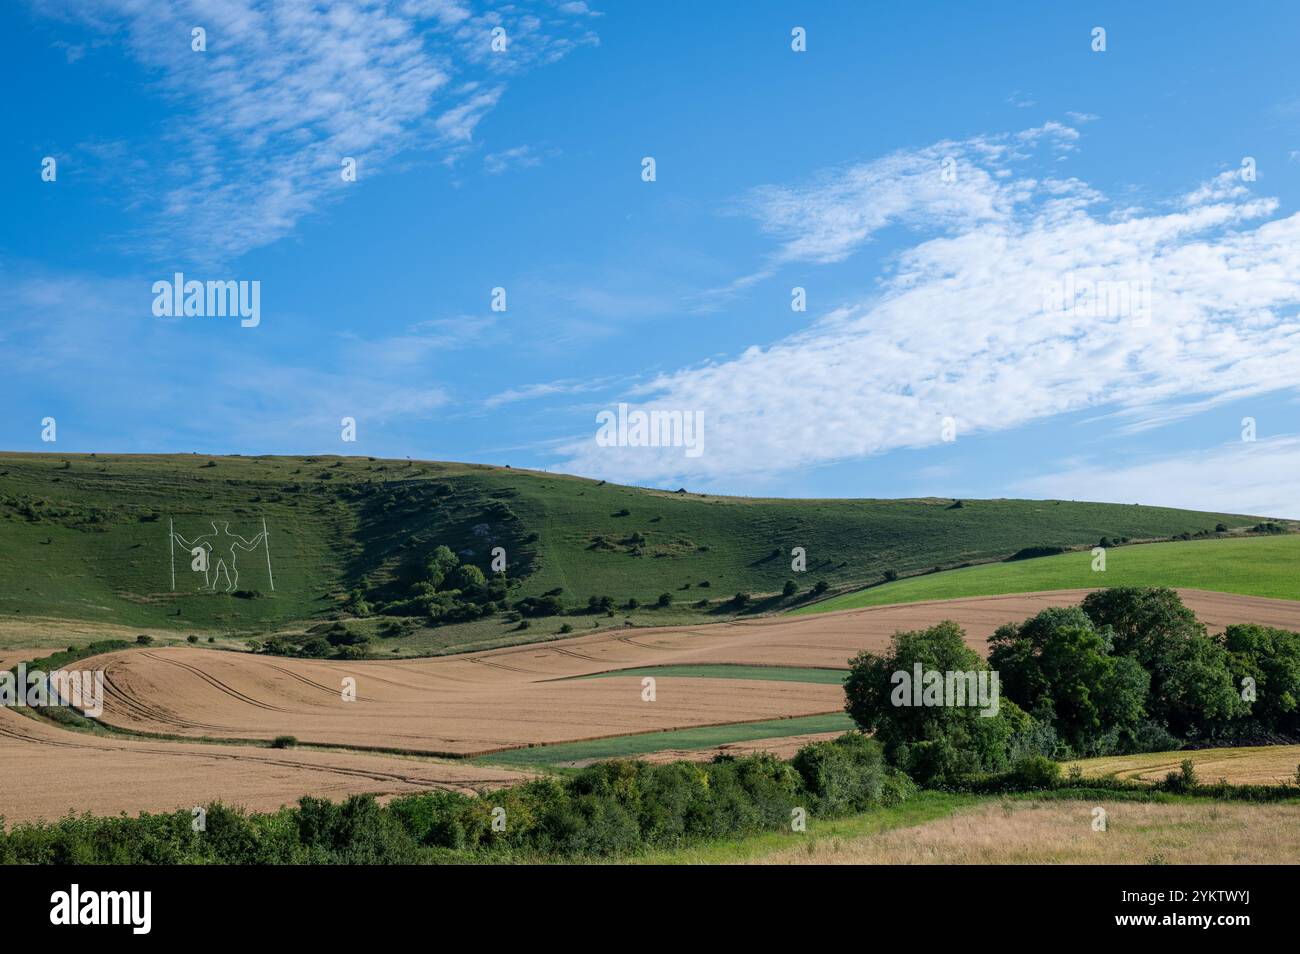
(610, 809)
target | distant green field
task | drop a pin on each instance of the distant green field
(1251, 566)
(829, 677)
(630, 746)
(86, 538)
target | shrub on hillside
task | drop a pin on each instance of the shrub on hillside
(540, 606)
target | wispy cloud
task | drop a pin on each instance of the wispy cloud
(951, 186)
(533, 392)
(94, 341)
(286, 90)
(1021, 100)
(519, 157)
(957, 326)
(1257, 478)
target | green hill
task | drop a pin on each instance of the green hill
(1251, 566)
(86, 537)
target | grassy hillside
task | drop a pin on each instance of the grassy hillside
(1251, 566)
(85, 537)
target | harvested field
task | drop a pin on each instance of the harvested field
(12, 657)
(499, 699)
(1060, 832)
(830, 677)
(1251, 765)
(50, 771)
(457, 707)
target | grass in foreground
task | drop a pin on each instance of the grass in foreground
(1248, 765)
(924, 807)
(630, 746)
(1250, 566)
(1013, 832)
(828, 677)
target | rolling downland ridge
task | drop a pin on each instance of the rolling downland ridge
(86, 537)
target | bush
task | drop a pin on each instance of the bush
(1034, 772)
(540, 606)
(665, 599)
(1153, 737)
(284, 742)
(846, 775)
(1182, 781)
(790, 589)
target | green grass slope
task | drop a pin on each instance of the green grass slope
(1251, 566)
(85, 537)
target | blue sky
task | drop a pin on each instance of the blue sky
(926, 173)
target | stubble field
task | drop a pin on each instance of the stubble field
(504, 699)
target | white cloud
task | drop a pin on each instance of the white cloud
(287, 89)
(957, 326)
(1256, 478)
(949, 186)
(518, 157)
(532, 392)
(1226, 186)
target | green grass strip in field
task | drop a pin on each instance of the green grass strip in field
(704, 737)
